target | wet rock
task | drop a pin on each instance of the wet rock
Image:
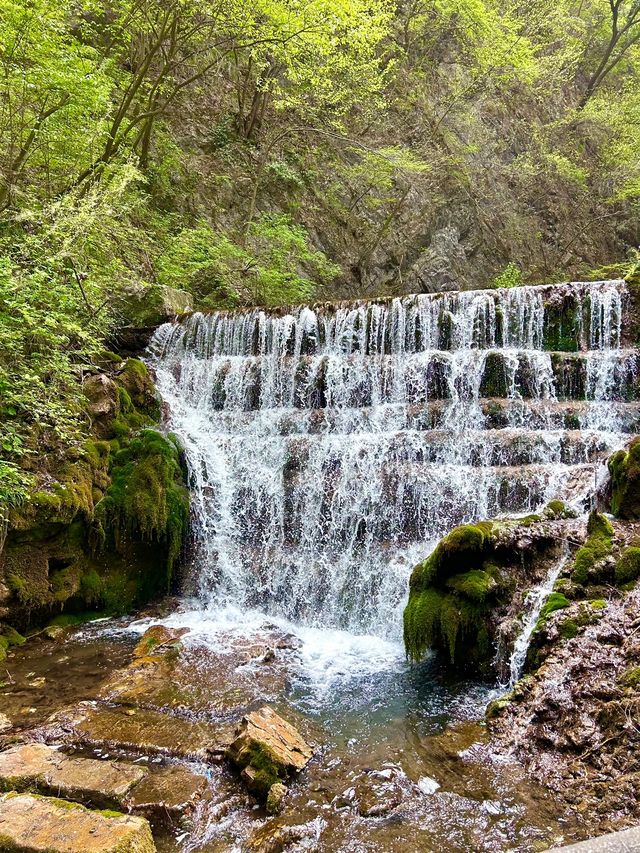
(103, 402)
(168, 794)
(276, 797)
(267, 749)
(158, 639)
(144, 731)
(36, 766)
(5, 724)
(30, 824)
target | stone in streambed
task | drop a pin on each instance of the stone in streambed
(267, 749)
(31, 824)
(168, 794)
(147, 732)
(5, 724)
(276, 797)
(158, 639)
(36, 766)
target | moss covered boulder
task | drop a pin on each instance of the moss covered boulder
(598, 545)
(451, 594)
(104, 525)
(267, 749)
(624, 467)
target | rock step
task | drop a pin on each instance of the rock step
(36, 766)
(494, 413)
(255, 382)
(509, 446)
(32, 824)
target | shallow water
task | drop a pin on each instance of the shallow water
(397, 765)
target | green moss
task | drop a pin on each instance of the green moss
(476, 584)
(558, 509)
(624, 467)
(598, 603)
(628, 566)
(126, 404)
(597, 546)
(147, 498)
(630, 677)
(448, 607)
(556, 601)
(568, 629)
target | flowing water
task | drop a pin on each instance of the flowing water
(329, 447)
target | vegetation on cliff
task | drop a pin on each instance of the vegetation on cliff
(277, 151)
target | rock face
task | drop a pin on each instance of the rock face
(31, 824)
(571, 721)
(267, 749)
(36, 766)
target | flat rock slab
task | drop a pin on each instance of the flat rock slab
(168, 794)
(38, 766)
(31, 824)
(265, 730)
(147, 732)
(201, 679)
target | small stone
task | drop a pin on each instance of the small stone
(38, 682)
(54, 632)
(50, 825)
(276, 797)
(158, 638)
(427, 785)
(5, 723)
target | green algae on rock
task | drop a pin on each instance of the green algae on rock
(624, 467)
(597, 546)
(450, 595)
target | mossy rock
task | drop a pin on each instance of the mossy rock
(627, 568)
(597, 546)
(624, 467)
(558, 509)
(450, 598)
(147, 499)
(630, 677)
(556, 601)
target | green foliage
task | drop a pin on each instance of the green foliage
(511, 276)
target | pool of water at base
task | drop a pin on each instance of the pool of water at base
(401, 763)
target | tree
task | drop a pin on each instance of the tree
(623, 30)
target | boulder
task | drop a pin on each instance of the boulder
(36, 766)
(30, 824)
(151, 305)
(267, 749)
(103, 402)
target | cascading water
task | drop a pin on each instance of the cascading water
(533, 604)
(330, 446)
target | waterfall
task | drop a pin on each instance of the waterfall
(329, 447)
(533, 604)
